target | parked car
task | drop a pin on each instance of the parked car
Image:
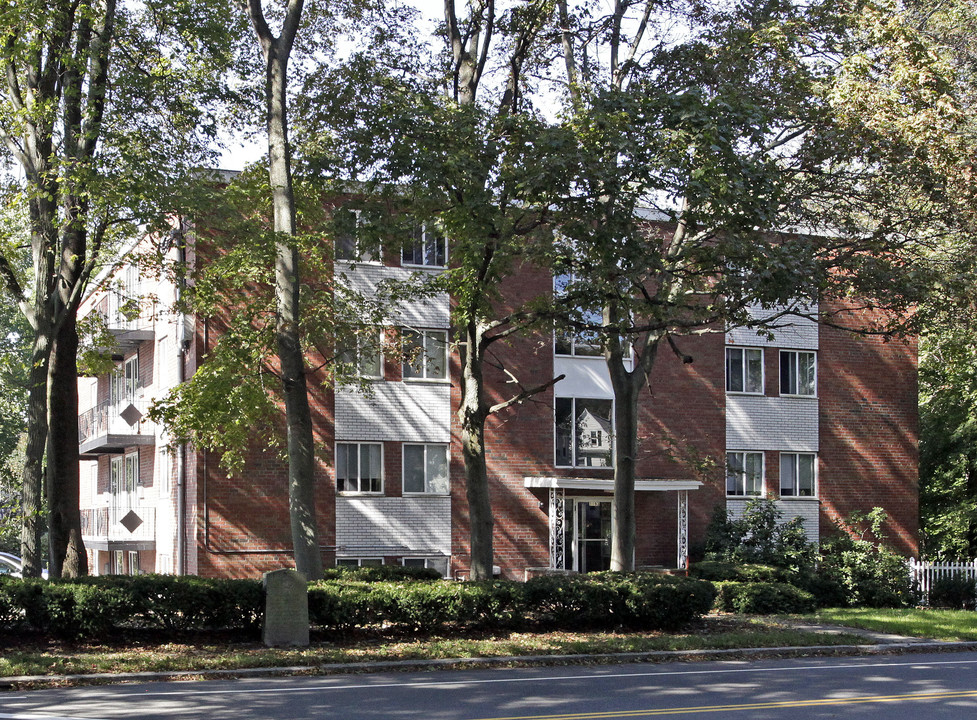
(10, 564)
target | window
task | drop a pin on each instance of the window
(744, 370)
(427, 247)
(569, 341)
(118, 562)
(584, 433)
(798, 373)
(359, 467)
(133, 562)
(349, 246)
(426, 469)
(440, 564)
(361, 355)
(359, 562)
(124, 381)
(425, 354)
(124, 477)
(797, 474)
(163, 469)
(744, 473)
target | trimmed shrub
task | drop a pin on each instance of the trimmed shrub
(958, 592)
(380, 573)
(762, 598)
(715, 570)
(760, 537)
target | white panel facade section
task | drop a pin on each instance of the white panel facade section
(393, 524)
(431, 312)
(396, 412)
(807, 510)
(586, 377)
(756, 422)
(790, 332)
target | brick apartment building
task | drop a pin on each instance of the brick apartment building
(822, 420)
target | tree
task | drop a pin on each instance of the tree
(301, 453)
(440, 141)
(692, 157)
(85, 84)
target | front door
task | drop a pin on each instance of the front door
(591, 548)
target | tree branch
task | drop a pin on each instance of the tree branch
(525, 394)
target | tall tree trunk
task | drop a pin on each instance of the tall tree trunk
(301, 456)
(472, 414)
(33, 476)
(625, 467)
(627, 385)
(67, 550)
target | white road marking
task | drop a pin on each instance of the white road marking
(35, 716)
(423, 685)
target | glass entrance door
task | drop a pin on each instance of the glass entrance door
(591, 546)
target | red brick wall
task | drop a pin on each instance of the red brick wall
(240, 523)
(681, 421)
(869, 430)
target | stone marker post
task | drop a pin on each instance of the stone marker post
(286, 608)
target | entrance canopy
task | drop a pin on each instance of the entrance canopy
(566, 529)
(607, 484)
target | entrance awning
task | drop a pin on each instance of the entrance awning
(607, 484)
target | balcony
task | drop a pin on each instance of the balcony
(128, 333)
(119, 528)
(110, 428)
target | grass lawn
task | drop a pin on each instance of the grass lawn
(24, 657)
(913, 622)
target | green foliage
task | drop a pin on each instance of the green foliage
(378, 573)
(759, 537)
(604, 600)
(870, 573)
(763, 598)
(957, 592)
(92, 607)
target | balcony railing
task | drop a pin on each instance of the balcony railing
(110, 427)
(118, 523)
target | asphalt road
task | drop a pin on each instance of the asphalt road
(916, 687)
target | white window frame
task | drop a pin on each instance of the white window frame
(419, 238)
(793, 358)
(440, 563)
(359, 479)
(744, 372)
(124, 382)
(422, 335)
(427, 481)
(570, 334)
(795, 457)
(133, 561)
(573, 439)
(356, 350)
(741, 482)
(118, 562)
(163, 469)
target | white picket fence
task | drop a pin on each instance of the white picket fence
(924, 574)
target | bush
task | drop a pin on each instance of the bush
(762, 598)
(604, 600)
(958, 592)
(870, 574)
(714, 570)
(380, 573)
(759, 537)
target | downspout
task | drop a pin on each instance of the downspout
(183, 345)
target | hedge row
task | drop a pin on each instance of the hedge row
(763, 598)
(92, 607)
